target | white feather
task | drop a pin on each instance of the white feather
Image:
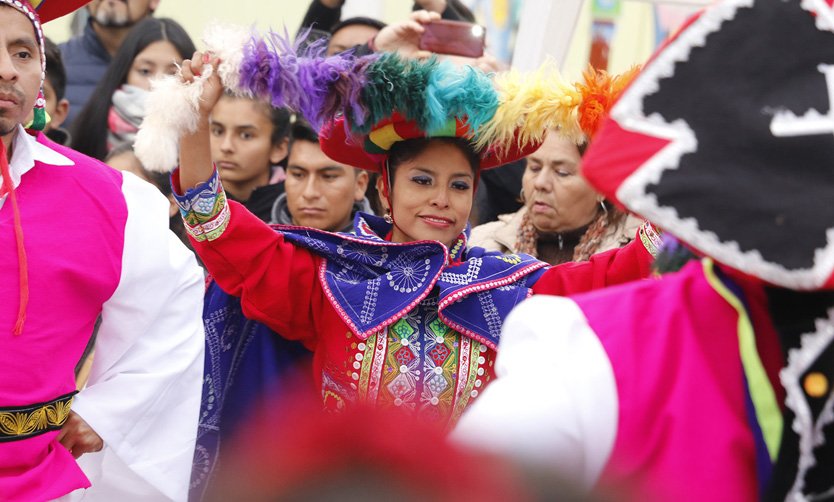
(227, 41)
(172, 106)
(170, 111)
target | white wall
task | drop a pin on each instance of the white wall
(194, 15)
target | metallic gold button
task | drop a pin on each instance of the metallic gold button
(816, 384)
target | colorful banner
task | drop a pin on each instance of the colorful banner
(501, 19)
(603, 26)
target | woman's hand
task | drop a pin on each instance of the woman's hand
(212, 86)
(196, 165)
(404, 37)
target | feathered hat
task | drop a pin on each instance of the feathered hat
(362, 105)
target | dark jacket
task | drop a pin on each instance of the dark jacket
(86, 61)
(261, 201)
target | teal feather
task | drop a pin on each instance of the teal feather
(465, 92)
(428, 92)
(411, 101)
(385, 80)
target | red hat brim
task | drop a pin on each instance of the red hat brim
(337, 144)
(53, 9)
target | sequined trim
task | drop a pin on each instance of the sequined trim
(205, 210)
(811, 434)
(471, 379)
(380, 350)
(23, 422)
(650, 238)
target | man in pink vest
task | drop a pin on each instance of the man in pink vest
(79, 240)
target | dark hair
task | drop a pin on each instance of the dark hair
(357, 21)
(90, 127)
(403, 151)
(280, 118)
(455, 11)
(55, 71)
(302, 130)
(460, 10)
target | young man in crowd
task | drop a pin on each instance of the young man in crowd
(320, 192)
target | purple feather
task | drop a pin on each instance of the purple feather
(317, 77)
(295, 74)
(257, 68)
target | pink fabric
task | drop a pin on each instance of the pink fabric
(683, 432)
(73, 219)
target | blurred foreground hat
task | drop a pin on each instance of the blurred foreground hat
(726, 141)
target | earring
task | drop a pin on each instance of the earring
(602, 205)
(387, 217)
(521, 197)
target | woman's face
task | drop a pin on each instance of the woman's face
(558, 197)
(432, 195)
(158, 58)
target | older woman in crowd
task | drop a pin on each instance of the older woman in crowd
(563, 218)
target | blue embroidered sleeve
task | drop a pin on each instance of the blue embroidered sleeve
(204, 208)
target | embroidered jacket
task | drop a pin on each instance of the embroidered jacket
(402, 324)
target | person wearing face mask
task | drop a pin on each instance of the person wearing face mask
(88, 55)
(563, 218)
(111, 118)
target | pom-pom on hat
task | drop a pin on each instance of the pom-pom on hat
(363, 105)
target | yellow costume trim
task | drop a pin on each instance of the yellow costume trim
(384, 137)
(23, 422)
(762, 394)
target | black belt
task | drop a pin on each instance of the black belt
(21, 422)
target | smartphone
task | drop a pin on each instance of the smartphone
(454, 37)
